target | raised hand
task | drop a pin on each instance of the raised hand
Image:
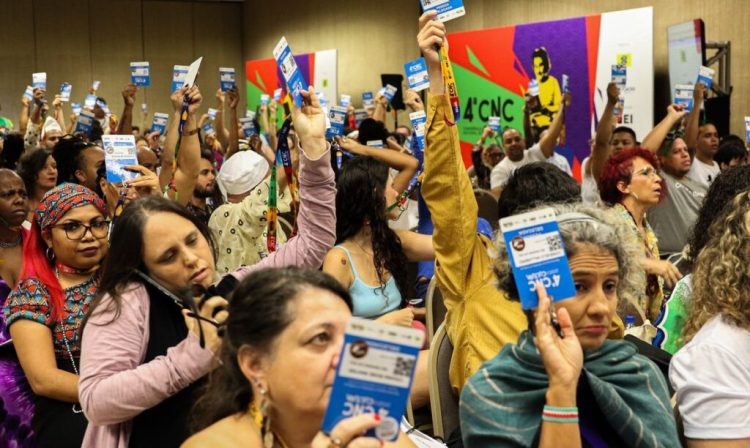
(233, 98)
(310, 124)
(128, 94)
(562, 357)
(412, 99)
(613, 93)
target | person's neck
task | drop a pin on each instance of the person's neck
(198, 202)
(704, 157)
(68, 280)
(297, 430)
(636, 209)
(9, 235)
(675, 174)
(38, 194)
(363, 238)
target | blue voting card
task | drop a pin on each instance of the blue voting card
(536, 254)
(90, 102)
(39, 80)
(418, 122)
(374, 375)
(706, 76)
(119, 151)
(416, 74)
(375, 144)
(65, 90)
(747, 129)
(212, 113)
(368, 99)
(84, 123)
(248, 127)
(288, 66)
(494, 123)
(388, 92)
(144, 108)
(140, 74)
(208, 128)
(446, 9)
(345, 100)
(565, 84)
(95, 85)
(337, 117)
(179, 73)
(102, 105)
(76, 108)
(277, 95)
(533, 88)
(160, 123)
(683, 94)
(264, 99)
(227, 78)
(620, 77)
(29, 93)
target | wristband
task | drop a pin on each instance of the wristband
(192, 132)
(560, 415)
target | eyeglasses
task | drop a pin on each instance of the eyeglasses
(75, 230)
(648, 172)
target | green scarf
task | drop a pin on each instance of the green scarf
(502, 403)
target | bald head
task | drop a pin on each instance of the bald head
(147, 158)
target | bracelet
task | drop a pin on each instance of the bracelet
(192, 132)
(560, 415)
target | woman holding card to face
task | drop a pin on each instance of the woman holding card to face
(572, 385)
(278, 363)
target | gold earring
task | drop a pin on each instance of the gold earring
(265, 429)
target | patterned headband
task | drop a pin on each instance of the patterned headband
(61, 199)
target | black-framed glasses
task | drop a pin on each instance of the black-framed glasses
(76, 230)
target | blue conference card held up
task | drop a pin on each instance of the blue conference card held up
(537, 254)
(374, 375)
(160, 123)
(227, 78)
(140, 74)
(416, 74)
(119, 151)
(179, 73)
(289, 69)
(446, 9)
(418, 122)
(337, 117)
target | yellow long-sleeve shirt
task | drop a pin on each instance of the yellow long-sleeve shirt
(480, 318)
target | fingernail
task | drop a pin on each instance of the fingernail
(377, 417)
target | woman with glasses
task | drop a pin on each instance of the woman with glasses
(630, 183)
(59, 278)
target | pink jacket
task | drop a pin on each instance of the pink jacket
(115, 386)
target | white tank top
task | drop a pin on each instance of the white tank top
(589, 188)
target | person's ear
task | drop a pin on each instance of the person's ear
(80, 176)
(253, 364)
(623, 188)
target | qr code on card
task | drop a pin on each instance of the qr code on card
(403, 366)
(554, 242)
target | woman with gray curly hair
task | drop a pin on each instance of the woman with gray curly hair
(711, 372)
(581, 388)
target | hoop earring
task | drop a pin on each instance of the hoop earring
(50, 254)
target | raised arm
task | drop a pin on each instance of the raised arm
(413, 101)
(655, 138)
(125, 126)
(693, 120)
(188, 159)
(316, 222)
(381, 104)
(600, 152)
(23, 119)
(549, 141)
(221, 132)
(57, 105)
(405, 164)
(233, 99)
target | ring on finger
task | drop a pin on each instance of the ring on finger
(335, 443)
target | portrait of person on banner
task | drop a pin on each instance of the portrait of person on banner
(549, 91)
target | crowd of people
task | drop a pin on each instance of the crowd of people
(204, 302)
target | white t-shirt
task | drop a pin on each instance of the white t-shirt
(711, 375)
(589, 187)
(561, 162)
(703, 173)
(503, 170)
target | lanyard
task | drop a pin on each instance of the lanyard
(284, 154)
(183, 118)
(450, 83)
(415, 183)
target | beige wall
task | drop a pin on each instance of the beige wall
(376, 37)
(81, 40)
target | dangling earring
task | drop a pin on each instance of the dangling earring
(265, 412)
(50, 254)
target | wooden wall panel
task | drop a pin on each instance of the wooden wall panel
(17, 57)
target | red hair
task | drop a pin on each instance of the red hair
(619, 168)
(36, 265)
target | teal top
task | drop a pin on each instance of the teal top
(372, 302)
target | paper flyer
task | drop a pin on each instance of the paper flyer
(192, 73)
(159, 123)
(374, 375)
(288, 66)
(416, 74)
(537, 254)
(39, 80)
(446, 9)
(140, 73)
(227, 78)
(119, 151)
(65, 90)
(179, 73)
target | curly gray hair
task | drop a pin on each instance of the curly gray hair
(581, 224)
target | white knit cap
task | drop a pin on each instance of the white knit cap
(241, 173)
(51, 125)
